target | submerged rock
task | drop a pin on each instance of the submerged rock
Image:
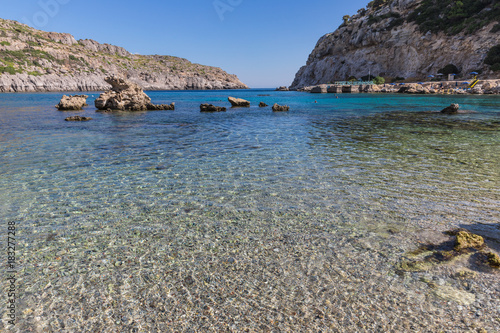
(78, 118)
(158, 107)
(126, 95)
(467, 240)
(493, 259)
(452, 109)
(211, 108)
(238, 102)
(277, 107)
(71, 103)
(262, 105)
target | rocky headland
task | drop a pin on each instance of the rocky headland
(36, 61)
(408, 40)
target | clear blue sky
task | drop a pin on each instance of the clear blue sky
(264, 42)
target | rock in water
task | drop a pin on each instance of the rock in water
(78, 118)
(71, 103)
(262, 105)
(467, 240)
(238, 102)
(158, 107)
(277, 107)
(211, 108)
(282, 88)
(493, 259)
(126, 95)
(452, 109)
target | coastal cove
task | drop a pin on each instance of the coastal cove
(251, 219)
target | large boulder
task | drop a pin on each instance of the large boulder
(277, 107)
(238, 102)
(126, 95)
(71, 103)
(452, 109)
(211, 108)
(262, 105)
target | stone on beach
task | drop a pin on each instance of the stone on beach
(126, 95)
(277, 107)
(452, 109)
(78, 118)
(211, 108)
(238, 102)
(72, 103)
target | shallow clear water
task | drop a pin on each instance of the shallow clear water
(365, 151)
(358, 162)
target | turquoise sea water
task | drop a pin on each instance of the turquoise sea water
(361, 162)
(356, 150)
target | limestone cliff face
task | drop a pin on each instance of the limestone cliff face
(34, 60)
(383, 41)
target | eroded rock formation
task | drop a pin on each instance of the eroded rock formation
(126, 96)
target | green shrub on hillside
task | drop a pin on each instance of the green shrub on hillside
(455, 16)
(376, 4)
(379, 80)
(9, 69)
(4, 43)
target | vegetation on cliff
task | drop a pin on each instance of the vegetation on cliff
(453, 17)
(409, 40)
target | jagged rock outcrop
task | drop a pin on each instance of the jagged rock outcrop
(71, 103)
(238, 102)
(262, 105)
(385, 41)
(277, 107)
(211, 108)
(35, 61)
(126, 96)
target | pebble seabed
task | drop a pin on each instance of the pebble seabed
(152, 252)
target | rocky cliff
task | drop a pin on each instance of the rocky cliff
(34, 60)
(407, 39)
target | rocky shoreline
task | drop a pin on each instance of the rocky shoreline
(483, 87)
(384, 41)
